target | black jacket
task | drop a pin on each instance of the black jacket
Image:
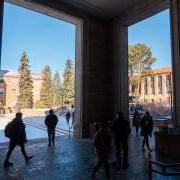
(18, 132)
(51, 121)
(121, 129)
(146, 125)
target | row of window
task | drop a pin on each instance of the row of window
(160, 79)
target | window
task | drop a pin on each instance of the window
(159, 84)
(145, 86)
(140, 90)
(1, 90)
(1, 80)
(152, 85)
(168, 83)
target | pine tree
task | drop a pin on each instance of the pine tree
(58, 89)
(68, 83)
(46, 91)
(25, 97)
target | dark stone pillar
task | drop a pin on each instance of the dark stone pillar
(175, 36)
(121, 68)
(1, 26)
(98, 80)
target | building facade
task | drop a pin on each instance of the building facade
(156, 87)
(9, 88)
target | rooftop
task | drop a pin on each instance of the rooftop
(6, 73)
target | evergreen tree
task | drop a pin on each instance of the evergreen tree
(25, 97)
(58, 89)
(46, 91)
(68, 83)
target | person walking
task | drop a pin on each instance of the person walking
(51, 121)
(102, 143)
(146, 130)
(68, 115)
(121, 130)
(15, 130)
(136, 120)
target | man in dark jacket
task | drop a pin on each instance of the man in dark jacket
(51, 122)
(136, 120)
(68, 115)
(146, 130)
(121, 130)
(102, 143)
(17, 137)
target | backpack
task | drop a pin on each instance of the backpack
(8, 131)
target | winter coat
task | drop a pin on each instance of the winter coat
(121, 129)
(146, 125)
(136, 119)
(51, 121)
(102, 143)
(18, 132)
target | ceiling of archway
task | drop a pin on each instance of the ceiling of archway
(102, 8)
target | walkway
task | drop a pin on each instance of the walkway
(72, 160)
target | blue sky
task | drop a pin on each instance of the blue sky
(51, 41)
(45, 39)
(155, 32)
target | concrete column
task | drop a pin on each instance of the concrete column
(175, 36)
(121, 68)
(164, 88)
(1, 26)
(155, 86)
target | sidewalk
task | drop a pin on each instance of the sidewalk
(72, 160)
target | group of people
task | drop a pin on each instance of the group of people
(146, 124)
(15, 131)
(119, 132)
(120, 129)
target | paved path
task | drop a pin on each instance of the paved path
(72, 160)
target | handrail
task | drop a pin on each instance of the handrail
(164, 168)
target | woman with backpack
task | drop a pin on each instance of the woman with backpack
(15, 131)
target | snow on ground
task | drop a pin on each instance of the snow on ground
(39, 131)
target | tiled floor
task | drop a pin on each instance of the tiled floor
(72, 160)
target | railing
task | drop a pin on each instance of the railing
(164, 167)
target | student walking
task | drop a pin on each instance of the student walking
(136, 120)
(15, 130)
(121, 130)
(102, 143)
(51, 121)
(146, 130)
(68, 115)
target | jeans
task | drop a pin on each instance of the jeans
(102, 162)
(51, 136)
(12, 145)
(122, 145)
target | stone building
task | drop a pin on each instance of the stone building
(156, 87)
(9, 87)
